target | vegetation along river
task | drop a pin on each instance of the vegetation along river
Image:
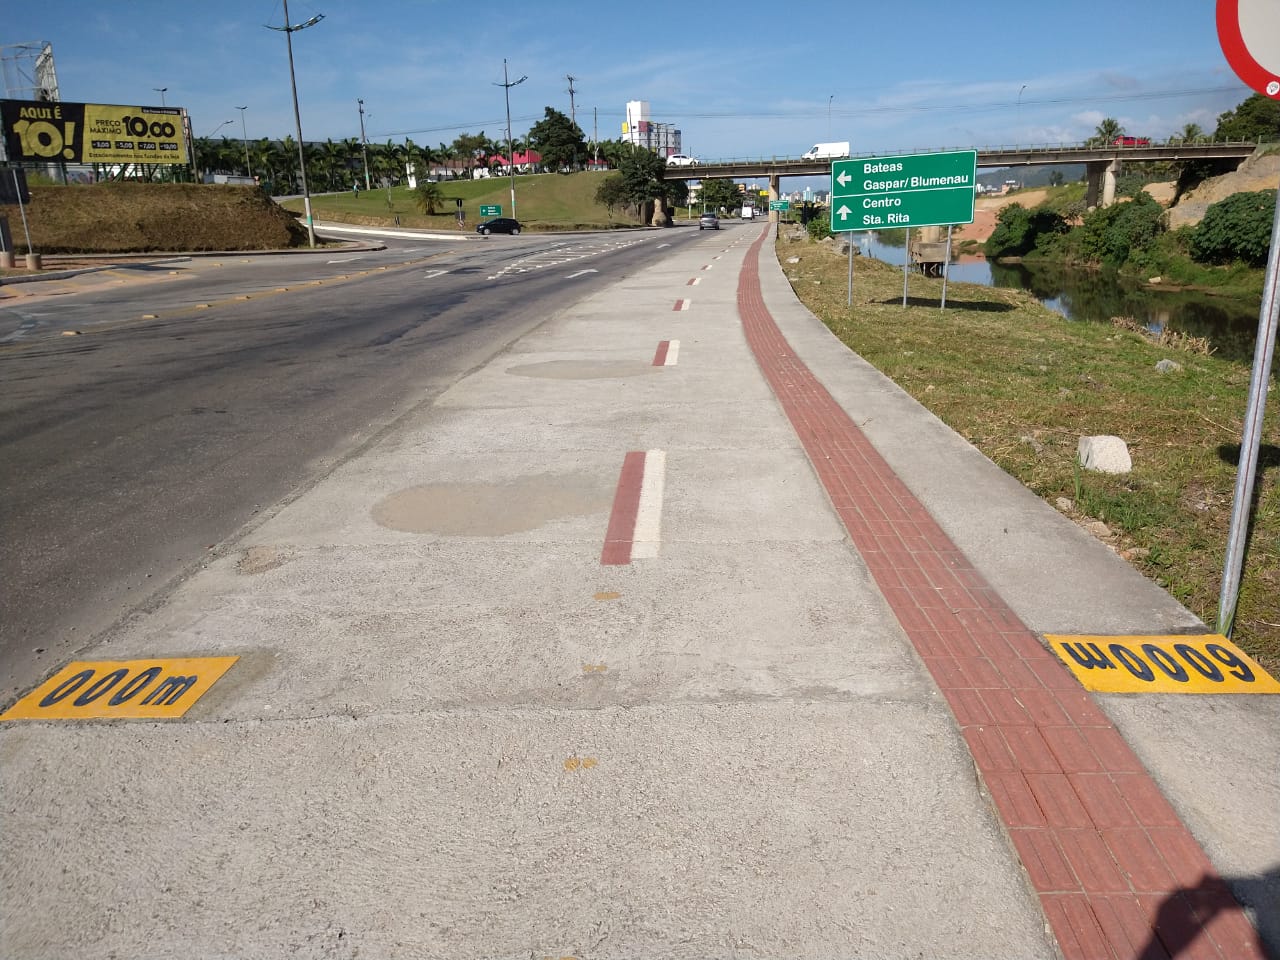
(1230, 325)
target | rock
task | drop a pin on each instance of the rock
(1065, 504)
(1098, 529)
(793, 259)
(1105, 454)
(1168, 366)
(1155, 279)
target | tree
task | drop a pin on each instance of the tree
(642, 183)
(720, 192)
(1257, 118)
(1106, 133)
(427, 197)
(1055, 178)
(558, 139)
(1190, 133)
(611, 192)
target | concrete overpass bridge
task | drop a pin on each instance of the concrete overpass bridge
(1101, 163)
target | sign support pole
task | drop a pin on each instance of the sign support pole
(17, 187)
(906, 264)
(946, 268)
(1251, 441)
(849, 297)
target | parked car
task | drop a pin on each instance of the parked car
(498, 225)
(1131, 142)
(708, 221)
(680, 160)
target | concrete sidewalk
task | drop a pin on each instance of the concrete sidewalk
(591, 658)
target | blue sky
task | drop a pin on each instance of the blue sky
(746, 79)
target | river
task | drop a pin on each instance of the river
(1230, 326)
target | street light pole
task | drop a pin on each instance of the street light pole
(161, 91)
(195, 159)
(364, 147)
(244, 137)
(1018, 126)
(288, 30)
(829, 99)
(511, 156)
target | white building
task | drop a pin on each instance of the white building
(662, 138)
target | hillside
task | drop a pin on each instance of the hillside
(142, 217)
(544, 201)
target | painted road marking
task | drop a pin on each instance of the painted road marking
(580, 273)
(432, 274)
(668, 353)
(682, 305)
(648, 535)
(694, 281)
(661, 245)
(635, 523)
(347, 260)
(708, 266)
(125, 689)
(1161, 664)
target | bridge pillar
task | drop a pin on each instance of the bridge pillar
(775, 188)
(1101, 182)
(1109, 182)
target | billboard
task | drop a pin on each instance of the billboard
(40, 132)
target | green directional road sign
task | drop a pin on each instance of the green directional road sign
(490, 210)
(886, 193)
(779, 204)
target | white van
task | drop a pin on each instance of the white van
(827, 151)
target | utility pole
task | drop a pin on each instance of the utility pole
(288, 30)
(506, 86)
(595, 131)
(244, 136)
(572, 113)
(364, 147)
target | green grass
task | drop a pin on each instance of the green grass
(1023, 385)
(546, 201)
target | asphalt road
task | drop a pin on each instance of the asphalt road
(196, 394)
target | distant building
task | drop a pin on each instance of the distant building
(662, 138)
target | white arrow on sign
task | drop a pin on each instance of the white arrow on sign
(844, 212)
(844, 178)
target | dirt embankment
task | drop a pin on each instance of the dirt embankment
(141, 217)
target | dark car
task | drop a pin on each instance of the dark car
(708, 221)
(498, 225)
(1131, 142)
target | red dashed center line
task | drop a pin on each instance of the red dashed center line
(682, 305)
(694, 281)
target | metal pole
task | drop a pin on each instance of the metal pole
(244, 136)
(906, 265)
(297, 123)
(364, 147)
(946, 269)
(849, 296)
(17, 187)
(511, 154)
(1263, 353)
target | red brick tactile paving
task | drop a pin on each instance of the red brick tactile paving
(1118, 874)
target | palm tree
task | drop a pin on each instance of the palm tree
(1108, 130)
(1191, 133)
(428, 196)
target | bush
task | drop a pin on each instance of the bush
(819, 227)
(1123, 231)
(1237, 228)
(1019, 231)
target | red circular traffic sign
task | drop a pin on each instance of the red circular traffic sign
(1249, 31)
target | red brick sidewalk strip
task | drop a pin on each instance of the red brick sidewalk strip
(1118, 874)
